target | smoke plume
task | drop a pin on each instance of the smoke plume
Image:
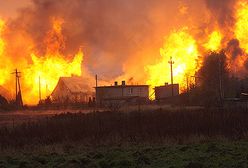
(223, 11)
(112, 33)
(233, 49)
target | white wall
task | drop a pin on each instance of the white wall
(122, 91)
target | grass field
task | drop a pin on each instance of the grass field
(211, 154)
(183, 137)
(27, 115)
(22, 116)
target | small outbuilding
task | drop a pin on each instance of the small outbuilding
(166, 91)
(122, 93)
(72, 90)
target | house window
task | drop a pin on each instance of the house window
(131, 91)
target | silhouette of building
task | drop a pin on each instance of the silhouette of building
(5, 93)
(122, 93)
(163, 92)
(72, 90)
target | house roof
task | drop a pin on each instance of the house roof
(75, 84)
(121, 86)
(5, 93)
(168, 85)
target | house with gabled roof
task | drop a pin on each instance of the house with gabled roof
(72, 90)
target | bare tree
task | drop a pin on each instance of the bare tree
(214, 74)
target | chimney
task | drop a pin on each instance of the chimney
(123, 83)
(116, 83)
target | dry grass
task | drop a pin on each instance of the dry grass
(110, 128)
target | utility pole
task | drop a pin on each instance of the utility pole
(96, 93)
(171, 62)
(187, 80)
(18, 95)
(96, 81)
(39, 91)
(16, 79)
(220, 81)
(46, 91)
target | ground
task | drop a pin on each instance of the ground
(209, 154)
(20, 116)
(152, 138)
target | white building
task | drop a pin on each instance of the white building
(123, 92)
(163, 92)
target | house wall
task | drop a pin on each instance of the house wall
(119, 92)
(162, 92)
(62, 94)
(136, 91)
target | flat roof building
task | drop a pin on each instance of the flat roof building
(163, 92)
(123, 92)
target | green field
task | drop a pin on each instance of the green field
(210, 154)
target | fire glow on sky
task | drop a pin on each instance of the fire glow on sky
(181, 44)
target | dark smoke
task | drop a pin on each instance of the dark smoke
(110, 32)
(234, 52)
(233, 49)
(223, 11)
(106, 29)
(246, 64)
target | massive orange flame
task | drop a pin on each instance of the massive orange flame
(43, 70)
(5, 64)
(241, 26)
(237, 63)
(47, 69)
(182, 47)
(1, 40)
(214, 42)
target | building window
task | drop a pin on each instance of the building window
(131, 91)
